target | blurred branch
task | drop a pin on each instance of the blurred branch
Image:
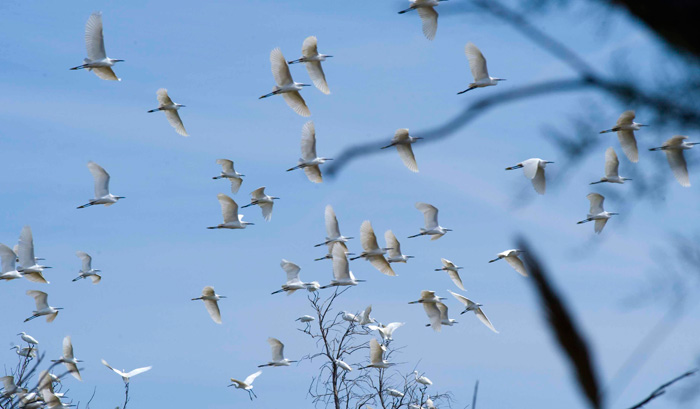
(662, 389)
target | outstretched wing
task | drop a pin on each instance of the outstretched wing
(94, 42)
(629, 144)
(101, 178)
(87, 260)
(332, 228)
(308, 141)
(249, 380)
(429, 18)
(280, 69)
(477, 62)
(277, 349)
(596, 200)
(296, 102)
(163, 98)
(176, 122)
(392, 243)
(106, 73)
(611, 163)
(430, 214)
(229, 208)
(517, 265)
(407, 157)
(433, 315)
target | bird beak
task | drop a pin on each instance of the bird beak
(118, 60)
(223, 296)
(182, 106)
(548, 161)
(500, 79)
(448, 229)
(121, 197)
(305, 85)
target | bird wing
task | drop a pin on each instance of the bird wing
(296, 102)
(596, 203)
(291, 269)
(35, 277)
(96, 278)
(317, 76)
(611, 163)
(117, 371)
(676, 160)
(163, 98)
(67, 348)
(443, 311)
(40, 299)
(73, 369)
(407, 157)
(456, 279)
(530, 167)
(101, 178)
(429, 18)
(249, 380)
(94, 42)
(8, 382)
(517, 264)
(626, 118)
(213, 310)
(392, 243)
(106, 73)
(138, 371)
(235, 184)
(50, 398)
(341, 268)
(539, 182)
(375, 351)
(87, 260)
(484, 319)
(430, 214)
(229, 208)
(433, 315)
(675, 140)
(26, 247)
(226, 165)
(367, 236)
(364, 315)
(446, 262)
(280, 69)
(332, 228)
(629, 144)
(380, 263)
(313, 173)
(310, 47)
(51, 317)
(258, 193)
(8, 259)
(391, 327)
(277, 349)
(599, 224)
(176, 122)
(266, 211)
(477, 62)
(308, 141)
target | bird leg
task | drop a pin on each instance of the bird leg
(468, 89)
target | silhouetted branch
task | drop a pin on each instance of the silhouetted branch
(662, 389)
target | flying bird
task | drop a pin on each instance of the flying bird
(342, 276)
(611, 169)
(402, 140)
(432, 228)
(227, 172)
(330, 245)
(534, 170)
(511, 257)
(87, 270)
(68, 359)
(477, 64)
(229, 210)
(427, 297)
(42, 306)
(126, 376)
(625, 128)
(364, 317)
(278, 358)
(372, 252)
(247, 384)
(453, 271)
(437, 314)
(674, 148)
(286, 85)
(258, 197)
(8, 261)
(428, 15)
(469, 305)
(97, 60)
(386, 331)
(596, 212)
(102, 195)
(309, 161)
(211, 302)
(332, 229)
(312, 59)
(29, 267)
(293, 282)
(376, 356)
(170, 108)
(394, 249)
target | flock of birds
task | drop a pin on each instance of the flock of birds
(20, 261)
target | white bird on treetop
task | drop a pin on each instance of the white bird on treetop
(126, 376)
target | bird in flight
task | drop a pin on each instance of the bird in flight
(97, 60)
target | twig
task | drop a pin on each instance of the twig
(662, 389)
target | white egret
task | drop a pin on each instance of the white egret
(477, 64)
(87, 270)
(102, 195)
(611, 169)
(170, 108)
(286, 85)
(53, 400)
(534, 170)
(376, 356)
(453, 271)
(211, 302)
(8, 261)
(372, 252)
(432, 228)
(343, 365)
(427, 297)
(228, 172)
(364, 317)
(422, 379)
(126, 376)
(469, 305)
(68, 359)
(42, 306)
(625, 128)
(28, 338)
(438, 312)
(278, 358)
(386, 331)
(312, 59)
(394, 249)
(402, 140)
(429, 404)
(97, 60)
(28, 262)
(305, 319)
(342, 276)
(330, 245)
(9, 385)
(258, 197)
(229, 210)
(395, 393)
(246, 384)
(293, 282)
(332, 229)
(511, 257)
(309, 160)
(674, 148)
(596, 212)
(27, 352)
(428, 15)
(350, 317)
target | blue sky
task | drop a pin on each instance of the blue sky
(156, 254)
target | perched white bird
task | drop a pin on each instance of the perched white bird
(246, 384)
(312, 59)
(68, 359)
(97, 60)
(402, 140)
(293, 282)
(330, 245)
(258, 197)
(342, 276)
(469, 305)
(126, 376)
(421, 379)
(534, 170)
(27, 261)
(386, 331)
(428, 15)
(596, 212)
(376, 356)
(227, 172)
(452, 269)
(429, 404)
(332, 229)
(27, 352)
(438, 315)
(211, 302)
(394, 249)
(278, 358)
(674, 148)
(625, 128)
(42, 306)
(611, 169)
(511, 257)
(8, 261)
(343, 365)
(286, 85)
(305, 318)
(87, 270)
(309, 161)
(102, 195)
(432, 228)
(170, 108)
(372, 252)
(427, 297)
(394, 393)
(477, 64)
(28, 338)
(229, 209)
